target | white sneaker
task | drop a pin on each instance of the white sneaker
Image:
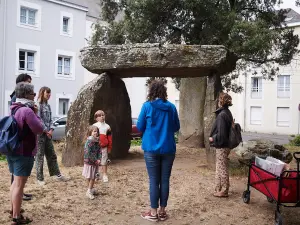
(62, 178)
(105, 178)
(41, 182)
(90, 195)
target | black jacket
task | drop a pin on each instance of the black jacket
(221, 128)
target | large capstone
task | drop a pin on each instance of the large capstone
(148, 60)
(107, 93)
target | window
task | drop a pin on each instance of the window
(64, 66)
(283, 116)
(29, 15)
(63, 106)
(283, 86)
(256, 87)
(65, 24)
(27, 59)
(255, 115)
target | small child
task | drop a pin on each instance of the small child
(105, 141)
(92, 156)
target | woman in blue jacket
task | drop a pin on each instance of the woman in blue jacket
(158, 121)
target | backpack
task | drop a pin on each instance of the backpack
(9, 134)
(235, 135)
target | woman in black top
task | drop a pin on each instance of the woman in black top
(219, 139)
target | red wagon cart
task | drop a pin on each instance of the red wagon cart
(283, 189)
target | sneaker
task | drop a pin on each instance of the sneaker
(62, 178)
(90, 195)
(105, 178)
(41, 182)
(149, 216)
(162, 216)
(27, 197)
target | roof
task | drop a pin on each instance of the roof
(92, 6)
(292, 16)
(76, 2)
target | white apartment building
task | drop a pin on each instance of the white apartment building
(267, 106)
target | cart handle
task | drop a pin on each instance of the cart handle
(296, 155)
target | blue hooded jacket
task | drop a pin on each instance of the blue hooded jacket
(158, 121)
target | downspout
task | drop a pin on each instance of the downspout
(245, 101)
(3, 59)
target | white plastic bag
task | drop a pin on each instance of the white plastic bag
(270, 164)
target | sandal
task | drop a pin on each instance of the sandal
(21, 220)
(162, 216)
(11, 212)
(220, 194)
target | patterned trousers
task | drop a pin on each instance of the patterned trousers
(46, 148)
(222, 174)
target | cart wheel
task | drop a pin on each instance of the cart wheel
(246, 197)
(270, 199)
(278, 218)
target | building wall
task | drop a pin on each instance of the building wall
(49, 42)
(3, 15)
(271, 119)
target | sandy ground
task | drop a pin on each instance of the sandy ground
(126, 195)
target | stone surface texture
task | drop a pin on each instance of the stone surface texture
(107, 93)
(213, 89)
(192, 97)
(262, 148)
(147, 60)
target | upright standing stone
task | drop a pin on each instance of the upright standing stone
(213, 89)
(192, 98)
(109, 94)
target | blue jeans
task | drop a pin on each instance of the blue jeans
(159, 167)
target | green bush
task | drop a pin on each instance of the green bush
(295, 141)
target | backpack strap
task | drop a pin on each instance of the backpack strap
(13, 112)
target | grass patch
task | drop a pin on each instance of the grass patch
(136, 142)
(237, 169)
(292, 148)
(2, 158)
